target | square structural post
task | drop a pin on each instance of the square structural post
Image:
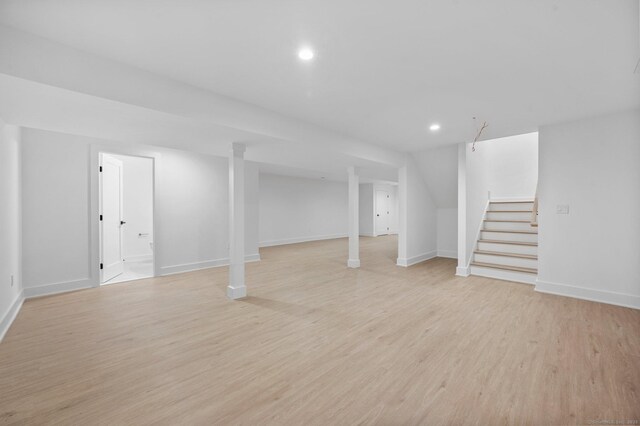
(354, 219)
(236, 288)
(403, 216)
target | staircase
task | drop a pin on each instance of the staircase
(507, 248)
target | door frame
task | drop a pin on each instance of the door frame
(94, 200)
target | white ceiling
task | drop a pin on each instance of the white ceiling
(384, 70)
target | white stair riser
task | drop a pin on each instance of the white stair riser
(509, 226)
(511, 206)
(508, 248)
(503, 275)
(508, 236)
(506, 260)
(509, 215)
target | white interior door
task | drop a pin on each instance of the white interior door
(111, 218)
(382, 212)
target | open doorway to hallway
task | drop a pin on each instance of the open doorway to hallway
(126, 218)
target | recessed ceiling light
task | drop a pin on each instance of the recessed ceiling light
(434, 127)
(305, 54)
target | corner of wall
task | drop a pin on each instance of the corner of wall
(10, 315)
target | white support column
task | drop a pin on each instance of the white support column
(236, 288)
(462, 269)
(402, 216)
(354, 222)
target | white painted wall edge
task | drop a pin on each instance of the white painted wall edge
(448, 253)
(11, 315)
(300, 240)
(417, 259)
(609, 297)
(195, 266)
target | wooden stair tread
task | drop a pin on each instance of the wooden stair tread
(505, 267)
(510, 232)
(517, 243)
(510, 221)
(499, 253)
(509, 202)
(509, 211)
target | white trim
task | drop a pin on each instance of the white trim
(453, 254)
(405, 262)
(367, 234)
(353, 263)
(462, 272)
(55, 288)
(140, 258)
(503, 274)
(610, 297)
(236, 292)
(297, 240)
(196, 266)
(11, 315)
(513, 199)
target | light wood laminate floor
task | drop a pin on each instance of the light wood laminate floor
(317, 343)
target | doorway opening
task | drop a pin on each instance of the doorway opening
(126, 218)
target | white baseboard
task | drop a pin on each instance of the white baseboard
(416, 259)
(501, 274)
(452, 254)
(11, 315)
(285, 241)
(140, 258)
(462, 271)
(55, 288)
(610, 297)
(195, 266)
(236, 292)
(367, 234)
(353, 263)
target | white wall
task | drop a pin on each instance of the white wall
(55, 208)
(448, 232)
(296, 209)
(10, 225)
(191, 209)
(507, 168)
(439, 167)
(593, 166)
(137, 206)
(417, 240)
(366, 210)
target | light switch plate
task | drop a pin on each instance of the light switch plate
(562, 209)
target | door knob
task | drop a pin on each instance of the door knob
(377, 215)
(122, 222)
